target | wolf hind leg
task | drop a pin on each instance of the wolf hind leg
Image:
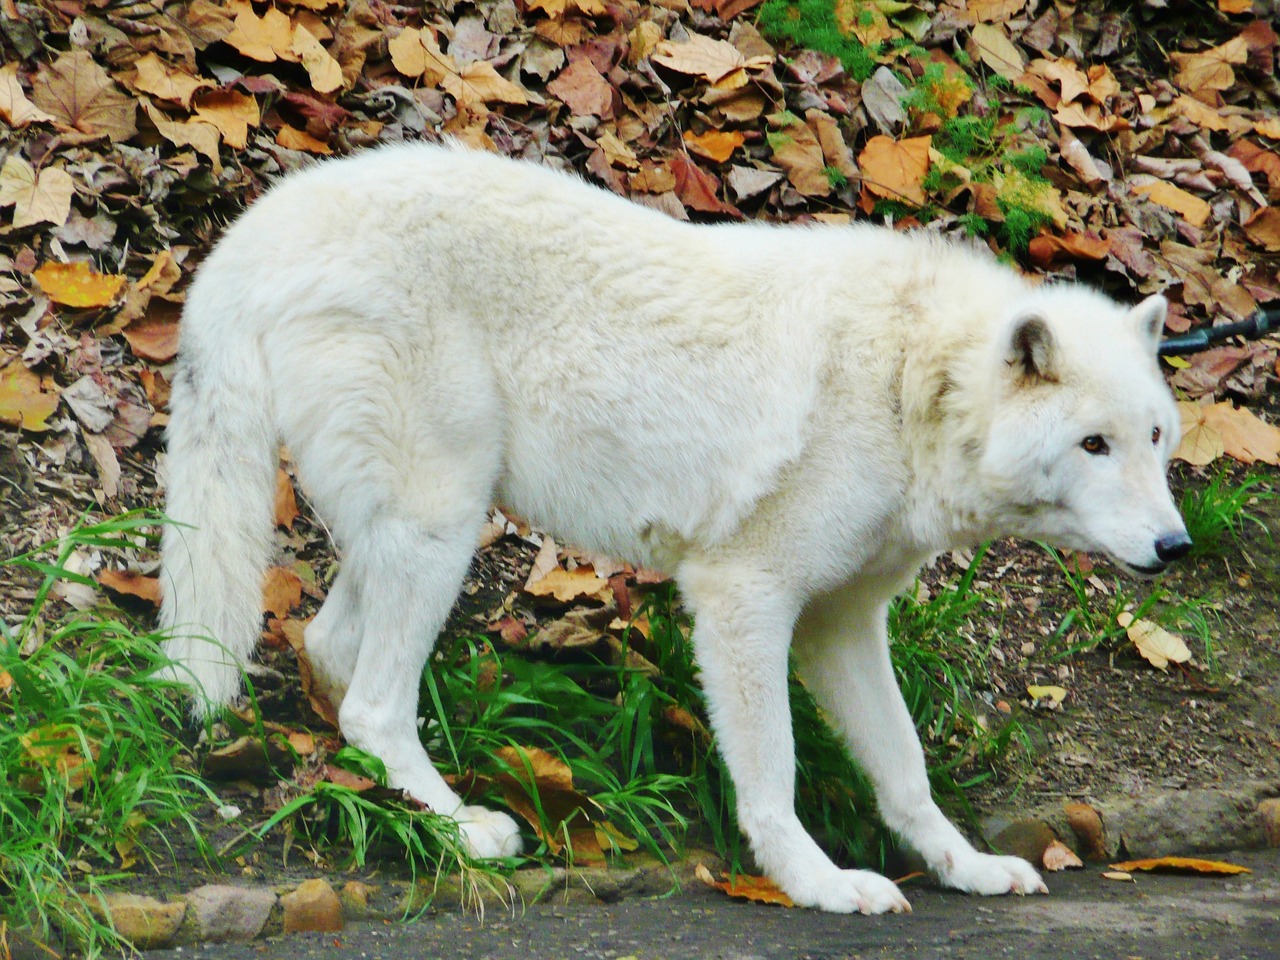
(332, 639)
(407, 573)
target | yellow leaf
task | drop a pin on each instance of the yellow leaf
(717, 145)
(26, 400)
(1154, 642)
(1054, 693)
(158, 78)
(78, 285)
(36, 198)
(743, 887)
(1235, 6)
(265, 39)
(1201, 444)
(324, 71)
(232, 112)
(993, 11)
(295, 139)
(200, 136)
(479, 82)
(1117, 875)
(415, 53)
(896, 168)
(1268, 127)
(1182, 865)
(1190, 207)
(993, 47)
(15, 108)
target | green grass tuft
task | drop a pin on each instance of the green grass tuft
(1215, 514)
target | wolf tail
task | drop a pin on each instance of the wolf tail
(222, 461)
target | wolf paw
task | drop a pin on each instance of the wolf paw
(487, 833)
(990, 875)
(850, 891)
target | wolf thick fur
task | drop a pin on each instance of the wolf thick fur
(789, 420)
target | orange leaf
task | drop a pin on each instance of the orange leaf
(1263, 228)
(1070, 245)
(78, 284)
(1190, 207)
(232, 112)
(896, 169)
(265, 39)
(717, 145)
(1181, 865)
(27, 400)
(132, 584)
(286, 502)
(158, 78)
(294, 139)
(743, 887)
(155, 340)
(281, 591)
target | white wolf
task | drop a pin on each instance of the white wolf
(789, 420)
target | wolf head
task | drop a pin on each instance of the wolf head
(1084, 427)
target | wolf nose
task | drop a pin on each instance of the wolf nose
(1172, 546)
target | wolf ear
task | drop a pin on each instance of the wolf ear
(1148, 317)
(1032, 352)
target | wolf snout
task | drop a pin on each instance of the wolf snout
(1173, 546)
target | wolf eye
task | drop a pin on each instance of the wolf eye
(1095, 444)
(1155, 435)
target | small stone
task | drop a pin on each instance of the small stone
(1269, 814)
(1027, 839)
(220, 912)
(145, 922)
(313, 906)
(355, 899)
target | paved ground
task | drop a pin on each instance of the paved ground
(1160, 917)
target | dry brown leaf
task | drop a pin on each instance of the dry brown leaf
(415, 53)
(1190, 207)
(167, 82)
(200, 136)
(717, 145)
(1047, 248)
(232, 112)
(896, 169)
(993, 11)
(1204, 75)
(586, 92)
(569, 585)
(797, 151)
(1263, 228)
(295, 139)
(281, 591)
(266, 39)
(324, 71)
(1086, 824)
(155, 340)
(744, 887)
(36, 198)
(991, 44)
(566, 810)
(715, 60)
(1156, 644)
(78, 92)
(78, 284)
(652, 178)
(556, 9)
(1201, 443)
(132, 584)
(1058, 856)
(60, 747)
(27, 400)
(1182, 865)
(1245, 436)
(1235, 6)
(1202, 116)
(478, 82)
(286, 502)
(1117, 875)
(15, 108)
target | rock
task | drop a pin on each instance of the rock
(1086, 824)
(1024, 838)
(145, 922)
(218, 912)
(1269, 814)
(313, 906)
(355, 899)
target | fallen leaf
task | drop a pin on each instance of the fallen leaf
(232, 112)
(15, 108)
(1054, 693)
(478, 82)
(266, 39)
(1048, 247)
(295, 139)
(1154, 642)
(993, 11)
(744, 887)
(1201, 444)
(569, 585)
(991, 45)
(36, 198)
(1190, 207)
(131, 584)
(27, 400)
(78, 285)
(286, 502)
(324, 71)
(717, 145)
(281, 591)
(75, 90)
(155, 340)
(1245, 436)
(895, 169)
(698, 189)
(167, 82)
(1117, 875)
(582, 87)
(1058, 856)
(565, 818)
(1181, 865)
(797, 151)
(715, 60)
(1086, 824)
(1263, 228)
(1204, 75)
(57, 747)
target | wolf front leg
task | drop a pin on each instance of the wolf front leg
(842, 649)
(741, 635)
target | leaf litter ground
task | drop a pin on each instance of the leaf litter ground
(133, 133)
